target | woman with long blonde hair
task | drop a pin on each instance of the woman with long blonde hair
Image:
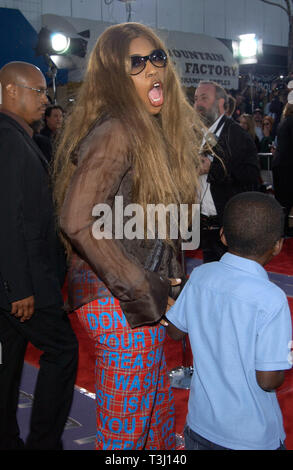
(247, 123)
(132, 138)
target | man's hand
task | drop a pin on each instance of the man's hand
(272, 149)
(23, 308)
(205, 165)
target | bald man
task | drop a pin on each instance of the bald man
(31, 304)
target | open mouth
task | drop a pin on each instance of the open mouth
(155, 94)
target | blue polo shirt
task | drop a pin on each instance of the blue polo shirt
(238, 322)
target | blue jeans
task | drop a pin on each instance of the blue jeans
(194, 441)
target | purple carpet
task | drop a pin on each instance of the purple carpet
(80, 430)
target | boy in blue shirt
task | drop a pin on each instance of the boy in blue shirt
(239, 327)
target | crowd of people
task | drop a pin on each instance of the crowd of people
(133, 136)
(270, 127)
(261, 126)
(257, 104)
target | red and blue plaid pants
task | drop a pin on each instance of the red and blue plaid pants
(135, 403)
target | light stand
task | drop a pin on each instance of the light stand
(52, 73)
(251, 92)
(246, 49)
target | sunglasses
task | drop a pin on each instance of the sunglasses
(138, 63)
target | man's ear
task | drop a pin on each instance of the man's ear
(221, 105)
(278, 247)
(10, 90)
(222, 237)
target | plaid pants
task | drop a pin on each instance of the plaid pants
(135, 403)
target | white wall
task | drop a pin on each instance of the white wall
(217, 18)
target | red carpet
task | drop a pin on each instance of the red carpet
(282, 264)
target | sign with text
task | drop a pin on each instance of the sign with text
(199, 57)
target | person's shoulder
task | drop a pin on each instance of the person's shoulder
(270, 302)
(7, 122)
(205, 270)
(45, 131)
(266, 294)
(235, 127)
(42, 138)
(109, 130)
(10, 130)
(274, 292)
(105, 136)
(107, 126)
(237, 133)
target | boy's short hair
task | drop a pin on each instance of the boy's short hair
(253, 222)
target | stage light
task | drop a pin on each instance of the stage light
(60, 43)
(61, 51)
(247, 48)
(247, 45)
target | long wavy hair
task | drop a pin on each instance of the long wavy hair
(287, 111)
(248, 118)
(164, 148)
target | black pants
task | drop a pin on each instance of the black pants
(50, 331)
(283, 188)
(210, 242)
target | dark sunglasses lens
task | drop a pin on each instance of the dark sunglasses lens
(137, 64)
(158, 58)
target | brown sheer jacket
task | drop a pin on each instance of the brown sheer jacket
(133, 271)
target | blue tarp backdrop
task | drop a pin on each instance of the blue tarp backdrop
(18, 39)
